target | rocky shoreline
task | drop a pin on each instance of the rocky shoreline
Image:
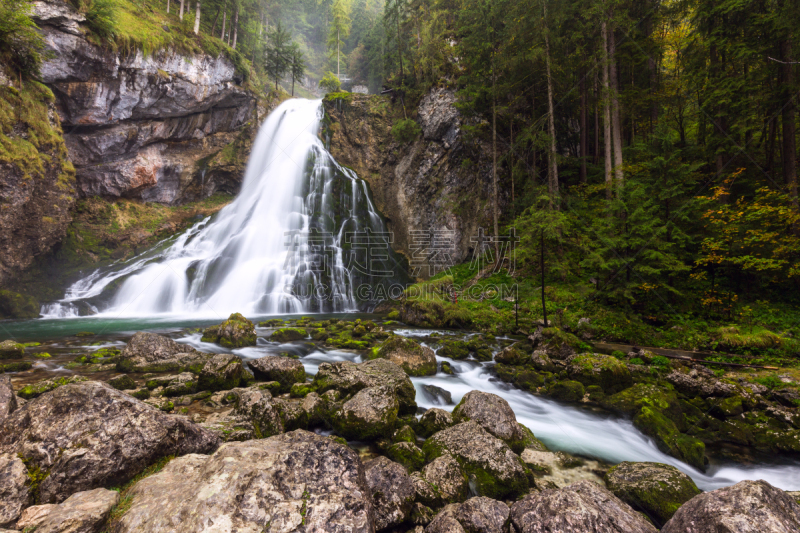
(175, 439)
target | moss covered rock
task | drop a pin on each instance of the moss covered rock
(414, 359)
(512, 355)
(148, 352)
(289, 334)
(434, 420)
(37, 389)
(598, 369)
(498, 472)
(222, 372)
(559, 344)
(446, 475)
(453, 349)
(11, 350)
(566, 391)
(348, 378)
(652, 422)
(122, 382)
(370, 414)
(407, 454)
(655, 489)
(19, 366)
(284, 370)
(495, 416)
(235, 332)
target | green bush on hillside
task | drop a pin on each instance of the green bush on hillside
(20, 44)
(330, 83)
(406, 130)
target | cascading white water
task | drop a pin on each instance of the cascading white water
(263, 253)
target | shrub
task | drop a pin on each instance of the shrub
(20, 43)
(101, 17)
(406, 130)
(330, 83)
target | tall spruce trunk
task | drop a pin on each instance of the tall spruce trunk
(337, 55)
(789, 151)
(167, 7)
(595, 93)
(197, 19)
(606, 112)
(616, 123)
(494, 166)
(181, 15)
(235, 28)
(224, 16)
(584, 139)
(216, 19)
(552, 174)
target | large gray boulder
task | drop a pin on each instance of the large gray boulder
(582, 507)
(83, 512)
(446, 475)
(88, 435)
(392, 492)
(497, 471)
(370, 414)
(284, 370)
(15, 493)
(411, 356)
(255, 408)
(8, 400)
(495, 416)
(297, 481)
(476, 515)
(433, 421)
(349, 378)
(223, 371)
(747, 507)
(148, 352)
(655, 489)
(438, 116)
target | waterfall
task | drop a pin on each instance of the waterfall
(288, 243)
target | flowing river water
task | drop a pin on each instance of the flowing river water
(239, 262)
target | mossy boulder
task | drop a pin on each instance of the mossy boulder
(301, 390)
(407, 454)
(285, 370)
(37, 389)
(495, 416)
(447, 368)
(271, 323)
(222, 372)
(652, 422)
(413, 358)
(655, 489)
(348, 378)
(453, 349)
(559, 344)
(512, 355)
(498, 472)
(370, 414)
(632, 399)
(181, 385)
(599, 369)
(16, 305)
(405, 434)
(289, 335)
(434, 420)
(11, 350)
(448, 478)
(566, 391)
(19, 366)
(236, 332)
(148, 352)
(123, 382)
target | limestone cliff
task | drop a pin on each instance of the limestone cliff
(440, 182)
(136, 125)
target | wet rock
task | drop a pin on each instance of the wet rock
(349, 378)
(288, 335)
(123, 382)
(284, 370)
(559, 345)
(292, 413)
(8, 400)
(313, 406)
(747, 507)
(235, 332)
(512, 355)
(414, 359)
(148, 352)
(447, 368)
(655, 489)
(654, 423)
(407, 454)
(559, 469)
(566, 391)
(15, 493)
(445, 521)
(578, 508)
(454, 349)
(448, 477)
(433, 421)
(88, 435)
(83, 512)
(40, 387)
(602, 370)
(222, 372)
(496, 470)
(370, 414)
(392, 492)
(11, 350)
(437, 395)
(296, 481)
(184, 383)
(495, 416)
(255, 407)
(482, 515)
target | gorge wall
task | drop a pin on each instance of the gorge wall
(437, 187)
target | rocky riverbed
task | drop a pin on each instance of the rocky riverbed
(313, 424)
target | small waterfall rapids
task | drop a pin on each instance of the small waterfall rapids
(262, 254)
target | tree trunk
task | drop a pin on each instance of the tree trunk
(552, 174)
(224, 15)
(494, 167)
(596, 154)
(167, 7)
(511, 164)
(337, 55)
(181, 15)
(292, 84)
(197, 19)
(541, 266)
(235, 27)
(216, 19)
(584, 143)
(789, 145)
(399, 43)
(616, 126)
(606, 112)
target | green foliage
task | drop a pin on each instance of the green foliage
(277, 60)
(21, 45)
(101, 17)
(406, 130)
(330, 83)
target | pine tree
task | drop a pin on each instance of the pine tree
(277, 59)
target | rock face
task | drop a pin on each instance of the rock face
(494, 415)
(655, 489)
(370, 414)
(578, 508)
(87, 435)
(496, 471)
(298, 481)
(436, 183)
(392, 492)
(15, 493)
(747, 507)
(8, 400)
(139, 123)
(83, 512)
(349, 378)
(416, 360)
(148, 352)
(284, 370)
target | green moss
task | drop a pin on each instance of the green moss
(16, 305)
(301, 390)
(289, 334)
(652, 422)
(603, 370)
(122, 383)
(566, 391)
(271, 323)
(393, 315)
(16, 367)
(447, 369)
(35, 476)
(236, 332)
(407, 454)
(42, 355)
(36, 389)
(454, 349)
